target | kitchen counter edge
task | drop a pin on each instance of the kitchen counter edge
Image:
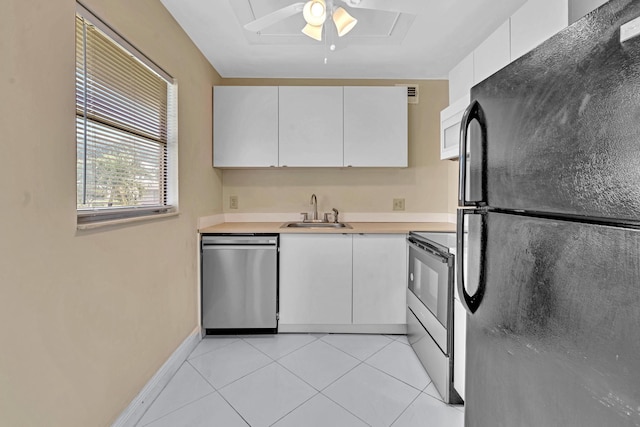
(356, 228)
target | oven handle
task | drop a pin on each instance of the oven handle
(469, 302)
(429, 251)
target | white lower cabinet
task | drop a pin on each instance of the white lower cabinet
(343, 283)
(315, 279)
(380, 279)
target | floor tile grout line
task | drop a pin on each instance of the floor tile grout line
(427, 386)
(373, 367)
(438, 399)
(297, 376)
(176, 409)
(161, 391)
(378, 351)
(234, 408)
(340, 405)
(285, 415)
(201, 376)
(237, 379)
(399, 379)
(321, 391)
(405, 409)
(222, 395)
(357, 358)
(211, 351)
(292, 351)
(317, 391)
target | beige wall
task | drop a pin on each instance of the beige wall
(425, 184)
(86, 318)
(453, 186)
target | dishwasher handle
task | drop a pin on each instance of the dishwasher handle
(238, 247)
(239, 240)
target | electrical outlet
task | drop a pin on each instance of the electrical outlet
(233, 202)
(398, 204)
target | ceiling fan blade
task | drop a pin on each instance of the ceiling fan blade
(273, 17)
(397, 6)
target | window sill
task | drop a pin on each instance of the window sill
(112, 222)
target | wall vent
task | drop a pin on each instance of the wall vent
(412, 93)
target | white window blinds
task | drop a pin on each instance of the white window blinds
(122, 129)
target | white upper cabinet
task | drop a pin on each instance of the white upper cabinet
(461, 79)
(245, 126)
(492, 55)
(535, 22)
(532, 24)
(375, 126)
(310, 126)
(380, 279)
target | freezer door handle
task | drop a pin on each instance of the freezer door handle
(470, 302)
(473, 112)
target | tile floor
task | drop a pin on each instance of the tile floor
(302, 380)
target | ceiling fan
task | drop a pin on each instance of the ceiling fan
(315, 14)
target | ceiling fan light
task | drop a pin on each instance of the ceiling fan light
(344, 22)
(313, 31)
(315, 12)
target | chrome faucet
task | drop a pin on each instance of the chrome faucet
(314, 203)
(335, 215)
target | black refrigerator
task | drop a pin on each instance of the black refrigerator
(550, 202)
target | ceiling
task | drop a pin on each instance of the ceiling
(424, 39)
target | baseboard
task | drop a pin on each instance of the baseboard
(136, 409)
(344, 329)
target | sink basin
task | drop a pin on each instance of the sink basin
(315, 225)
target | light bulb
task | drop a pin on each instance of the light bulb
(317, 9)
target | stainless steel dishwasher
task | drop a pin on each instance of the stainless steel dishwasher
(239, 282)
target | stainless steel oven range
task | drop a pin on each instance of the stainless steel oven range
(430, 306)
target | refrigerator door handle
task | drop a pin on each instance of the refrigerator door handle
(469, 302)
(473, 112)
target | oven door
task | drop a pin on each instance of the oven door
(430, 286)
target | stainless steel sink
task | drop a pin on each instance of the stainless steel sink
(315, 225)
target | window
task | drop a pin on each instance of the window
(125, 127)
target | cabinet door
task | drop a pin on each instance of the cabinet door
(492, 54)
(461, 79)
(310, 126)
(245, 126)
(315, 279)
(379, 279)
(375, 126)
(536, 21)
